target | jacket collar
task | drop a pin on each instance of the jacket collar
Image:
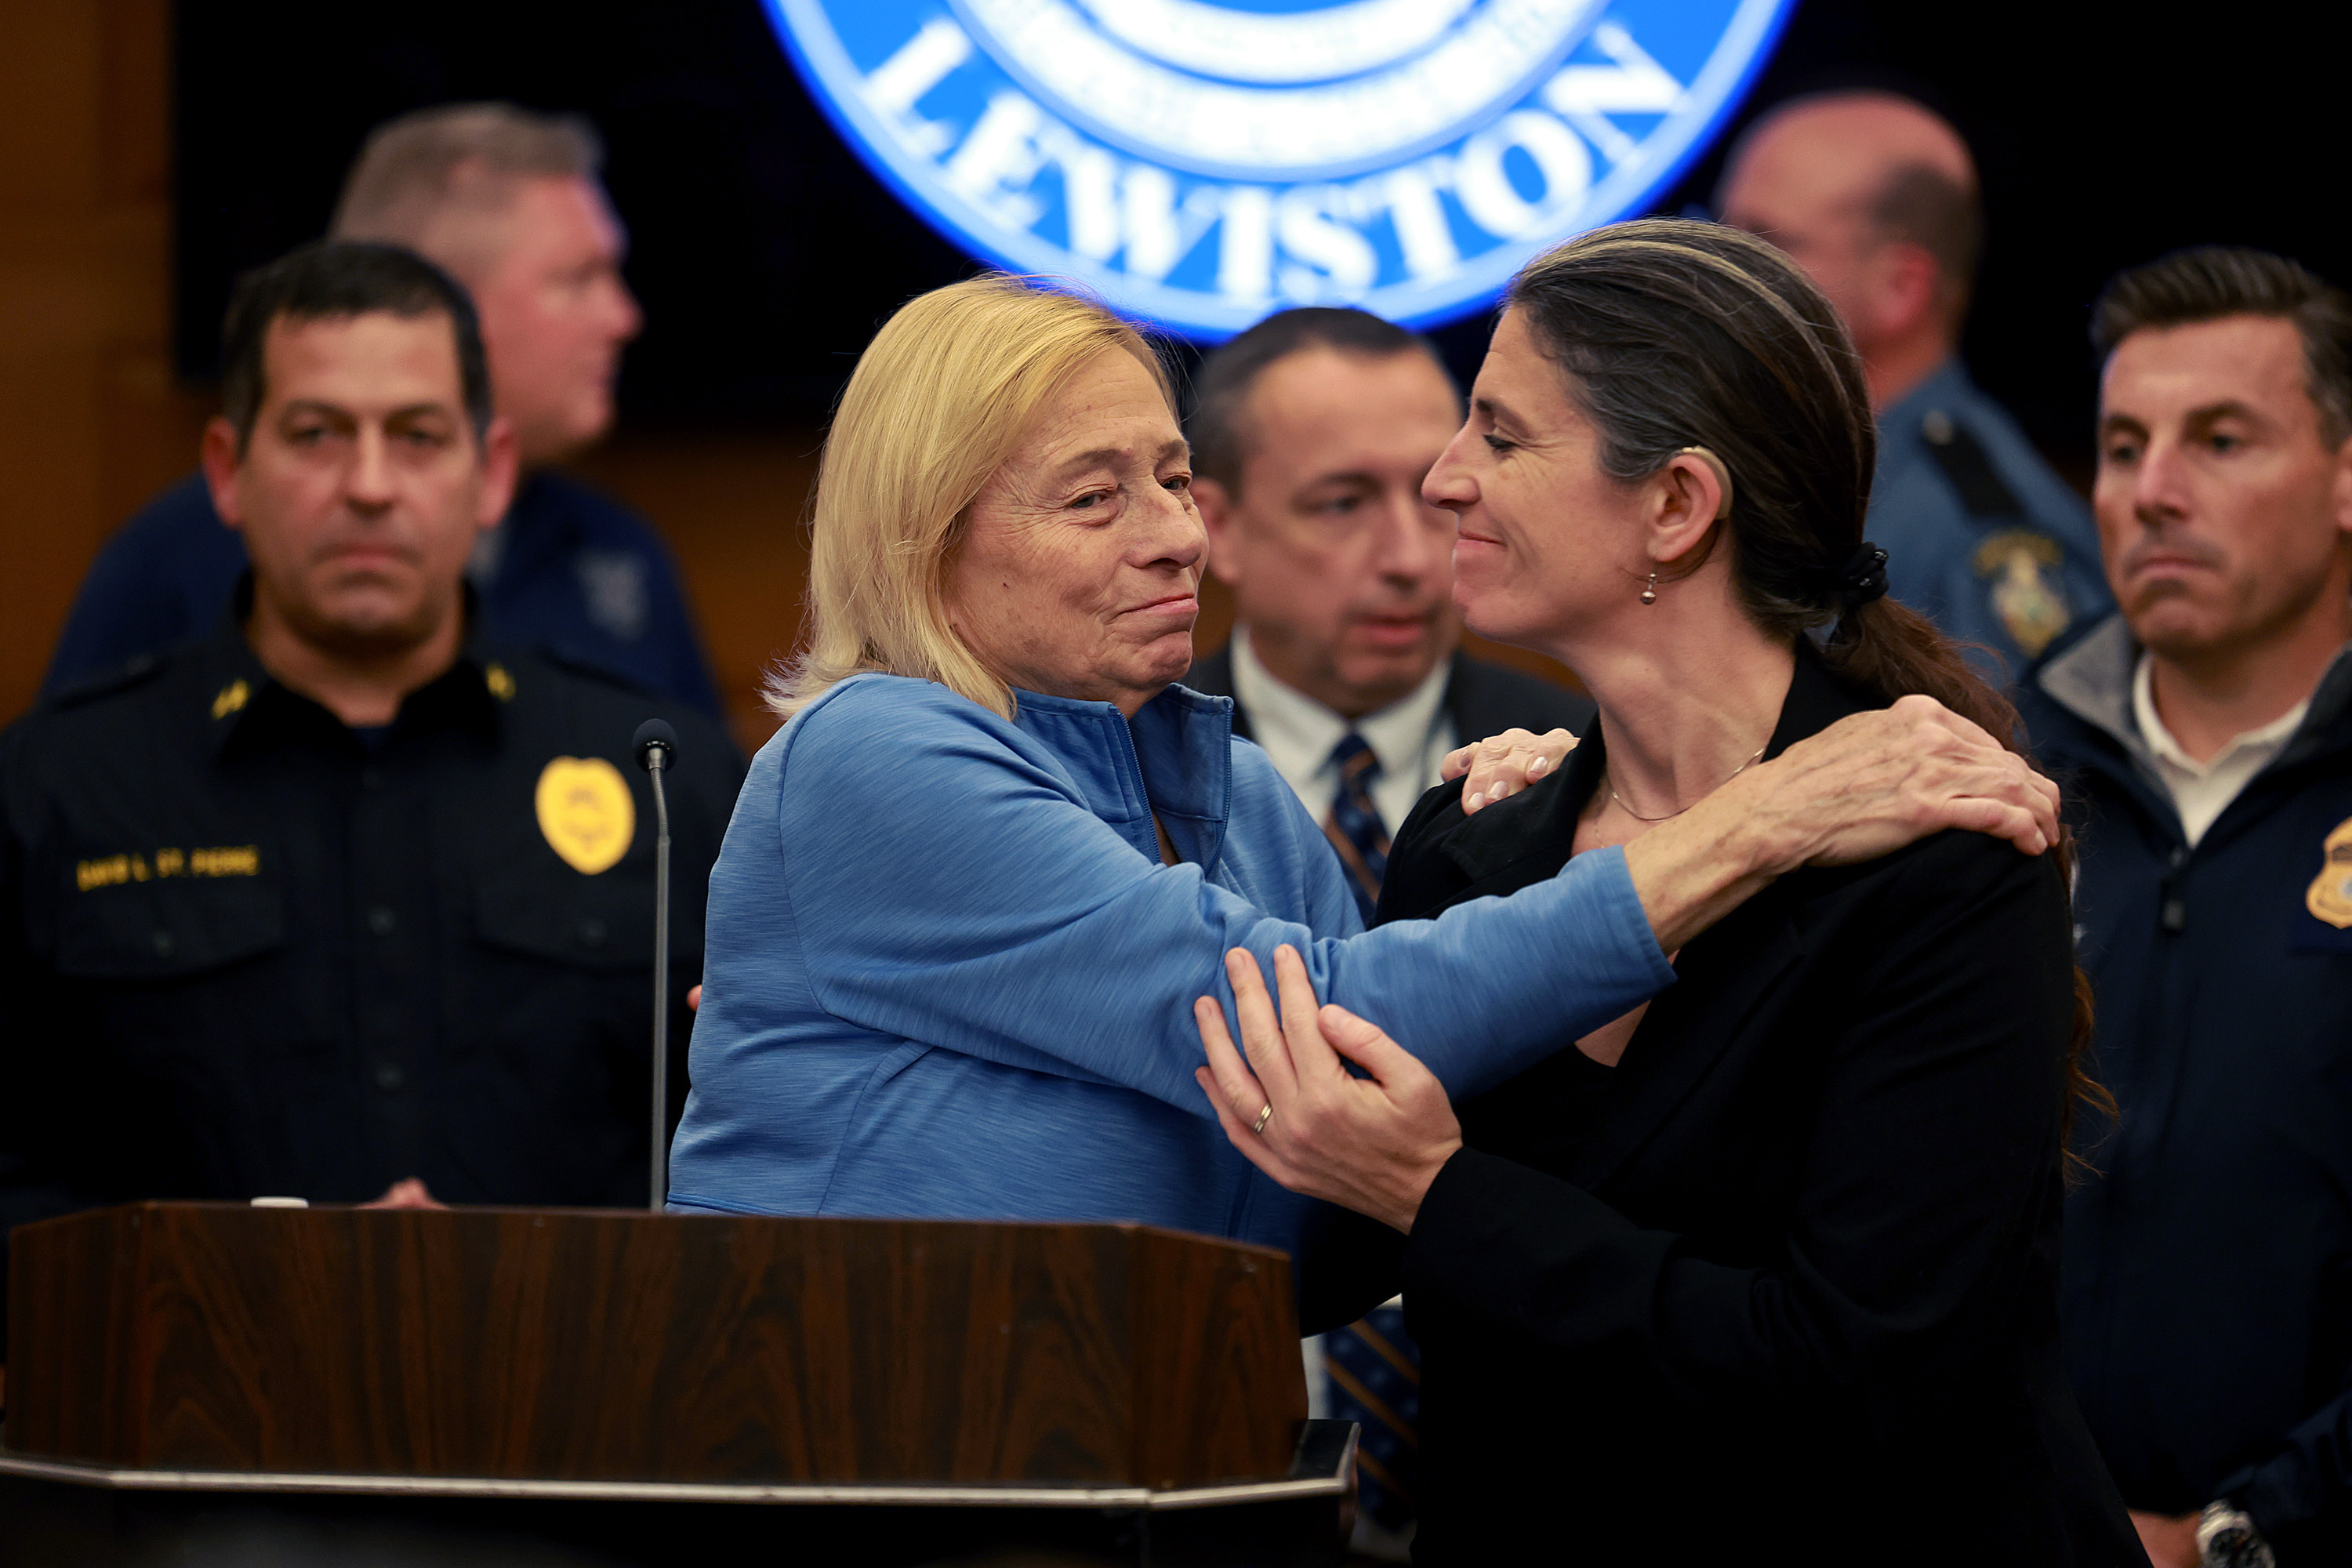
(1175, 757)
(1545, 815)
(1945, 386)
(1726, 974)
(1900, 439)
(2092, 682)
(1214, 676)
(1741, 960)
(251, 707)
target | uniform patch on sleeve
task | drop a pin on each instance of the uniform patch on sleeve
(613, 583)
(2022, 565)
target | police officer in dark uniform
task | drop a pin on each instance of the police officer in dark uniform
(1877, 199)
(343, 901)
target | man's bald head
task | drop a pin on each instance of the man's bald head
(1859, 135)
(1876, 197)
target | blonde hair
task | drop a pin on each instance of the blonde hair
(940, 400)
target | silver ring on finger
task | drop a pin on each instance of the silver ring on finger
(1264, 1117)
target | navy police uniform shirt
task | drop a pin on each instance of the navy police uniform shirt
(247, 949)
(574, 571)
(1980, 536)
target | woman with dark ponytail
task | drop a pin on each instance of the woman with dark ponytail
(1767, 1268)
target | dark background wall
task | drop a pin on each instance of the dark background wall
(765, 253)
(147, 150)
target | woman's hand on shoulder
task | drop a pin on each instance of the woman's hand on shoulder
(1865, 786)
(1504, 764)
(1373, 1143)
(1871, 783)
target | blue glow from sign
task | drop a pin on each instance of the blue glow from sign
(1202, 163)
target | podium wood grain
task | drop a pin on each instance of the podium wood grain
(599, 1345)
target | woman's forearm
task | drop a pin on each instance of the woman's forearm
(1864, 787)
(1692, 871)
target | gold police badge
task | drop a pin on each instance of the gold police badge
(2029, 603)
(2330, 897)
(585, 811)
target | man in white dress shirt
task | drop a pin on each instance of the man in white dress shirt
(1310, 436)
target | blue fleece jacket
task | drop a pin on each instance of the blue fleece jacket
(946, 973)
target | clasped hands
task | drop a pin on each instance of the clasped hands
(1373, 1143)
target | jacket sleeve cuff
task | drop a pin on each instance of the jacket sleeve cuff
(1617, 915)
(2275, 1494)
(2296, 1483)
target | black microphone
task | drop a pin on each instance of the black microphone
(656, 748)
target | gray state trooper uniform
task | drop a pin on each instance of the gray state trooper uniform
(1981, 537)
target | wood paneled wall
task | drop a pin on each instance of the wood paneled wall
(90, 423)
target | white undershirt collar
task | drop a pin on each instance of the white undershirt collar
(1410, 736)
(2202, 791)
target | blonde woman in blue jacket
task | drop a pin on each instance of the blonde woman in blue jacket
(974, 884)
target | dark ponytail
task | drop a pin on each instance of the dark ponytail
(1676, 335)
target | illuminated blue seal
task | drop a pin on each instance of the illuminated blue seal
(1201, 163)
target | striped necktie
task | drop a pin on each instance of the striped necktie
(1353, 824)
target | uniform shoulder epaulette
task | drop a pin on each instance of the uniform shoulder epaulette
(136, 670)
(1968, 467)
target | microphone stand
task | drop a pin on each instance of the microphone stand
(657, 743)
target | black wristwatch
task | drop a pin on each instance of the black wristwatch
(2226, 1538)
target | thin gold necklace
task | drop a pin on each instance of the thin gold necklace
(1615, 801)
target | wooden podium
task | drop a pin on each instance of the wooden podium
(857, 1368)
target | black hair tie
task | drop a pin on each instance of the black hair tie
(1862, 579)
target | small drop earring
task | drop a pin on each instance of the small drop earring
(1650, 594)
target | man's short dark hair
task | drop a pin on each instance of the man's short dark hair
(2211, 281)
(331, 279)
(1227, 376)
(1929, 208)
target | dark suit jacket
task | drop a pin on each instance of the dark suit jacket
(1481, 699)
(1785, 1278)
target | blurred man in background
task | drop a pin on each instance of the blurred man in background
(1311, 433)
(1877, 199)
(511, 204)
(2208, 728)
(346, 900)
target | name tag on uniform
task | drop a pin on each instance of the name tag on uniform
(221, 860)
